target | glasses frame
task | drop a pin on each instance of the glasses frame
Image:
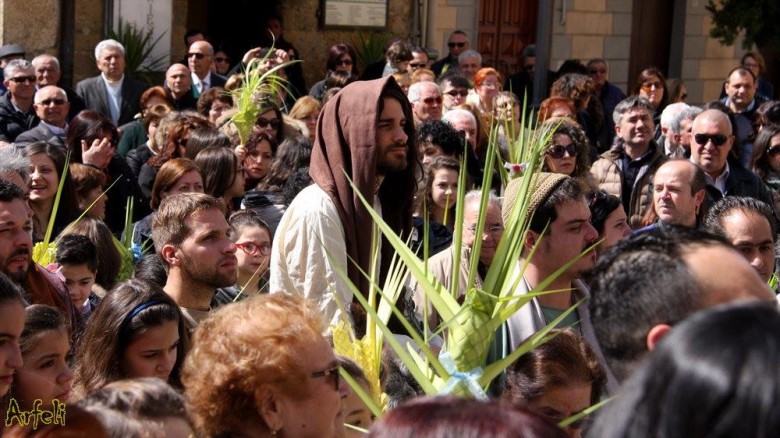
(22, 79)
(330, 373)
(263, 123)
(716, 139)
(243, 247)
(558, 151)
(196, 55)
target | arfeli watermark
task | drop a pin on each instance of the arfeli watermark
(35, 416)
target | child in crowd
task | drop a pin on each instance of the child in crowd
(253, 239)
(77, 260)
(435, 205)
(137, 331)
(44, 376)
(356, 413)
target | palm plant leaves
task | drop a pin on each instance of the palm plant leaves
(139, 45)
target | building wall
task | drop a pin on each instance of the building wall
(302, 29)
(33, 24)
(445, 16)
(602, 28)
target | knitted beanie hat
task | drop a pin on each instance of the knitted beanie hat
(545, 184)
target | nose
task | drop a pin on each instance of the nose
(400, 136)
(66, 377)
(591, 235)
(344, 389)
(166, 364)
(14, 360)
(756, 261)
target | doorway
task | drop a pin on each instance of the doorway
(505, 27)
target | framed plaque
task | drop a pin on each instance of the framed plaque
(371, 14)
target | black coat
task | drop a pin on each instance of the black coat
(12, 122)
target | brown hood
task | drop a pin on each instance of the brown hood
(346, 142)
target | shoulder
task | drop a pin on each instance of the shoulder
(88, 83)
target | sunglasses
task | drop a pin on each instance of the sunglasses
(20, 79)
(196, 55)
(417, 65)
(263, 123)
(650, 85)
(598, 196)
(597, 70)
(431, 100)
(716, 139)
(331, 375)
(344, 62)
(774, 150)
(459, 45)
(254, 250)
(456, 93)
(221, 59)
(559, 151)
(48, 102)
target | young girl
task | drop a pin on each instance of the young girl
(44, 374)
(253, 238)
(136, 331)
(356, 413)
(260, 151)
(12, 306)
(436, 198)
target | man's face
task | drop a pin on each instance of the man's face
(567, 237)
(674, 204)
(200, 57)
(741, 89)
(429, 105)
(725, 276)
(458, 43)
(751, 234)
(684, 137)
(111, 63)
(274, 28)
(208, 256)
(453, 96)
(22, 84)
(711, 157)
(15, 239)
(391, 147)
(51, 105)
(636, 127)
(491, 234)
(419, 60)
(598, 74)
(46, 72)
(468, 127)
(178, 80)
(469, 67)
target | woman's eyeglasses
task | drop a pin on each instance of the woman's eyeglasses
(263, 123)
(774, 150)
(254, 250)
(648, 86)
(331, 376)
(559, 151)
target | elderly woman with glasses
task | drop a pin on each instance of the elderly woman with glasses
(568, 151)
(263, 368)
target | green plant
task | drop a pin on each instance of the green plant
(752, 19)
(139, 45)
(370, 47)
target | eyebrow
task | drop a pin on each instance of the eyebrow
(750, 242)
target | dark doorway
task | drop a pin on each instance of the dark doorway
(505, 27)
(651, 37)
(235, 26)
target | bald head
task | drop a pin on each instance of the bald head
(678, 192)
(712, 141)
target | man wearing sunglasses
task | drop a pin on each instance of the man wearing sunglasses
(710, 149)
(457, 43)
(16, 111)
(51, 106)
(454, 89)
(426, 101)
(200, 59)
(111, 93)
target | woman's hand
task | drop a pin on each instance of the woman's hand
(99, 154)
(240, 152)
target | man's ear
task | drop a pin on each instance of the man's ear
(656, 333)
(531, 237)
(171, 255)
(268, 408)
(698, 199)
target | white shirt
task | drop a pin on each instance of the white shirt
(201, 85)
(114, 97)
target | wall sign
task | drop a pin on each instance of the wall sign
(354, 13)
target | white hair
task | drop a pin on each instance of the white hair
(416, 88)
(108, 44)
(450, 115)
(60, 91)
(470, 53)
(670, 111)
(47, 57)
(476, 196)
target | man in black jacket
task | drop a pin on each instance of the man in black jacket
(16, 106)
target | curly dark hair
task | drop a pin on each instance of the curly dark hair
(577, 135)
(442, 134)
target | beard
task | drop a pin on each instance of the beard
(388, 162)
(209, 275)
(19, 275)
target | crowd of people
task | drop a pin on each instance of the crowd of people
(185, 283)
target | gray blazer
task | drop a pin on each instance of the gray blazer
(95, 95)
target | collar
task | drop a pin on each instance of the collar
(60, 132)
(749, 108)
(206, 79)
(719, 182)
(115, 84)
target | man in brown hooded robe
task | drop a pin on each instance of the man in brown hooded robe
(366, 134)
